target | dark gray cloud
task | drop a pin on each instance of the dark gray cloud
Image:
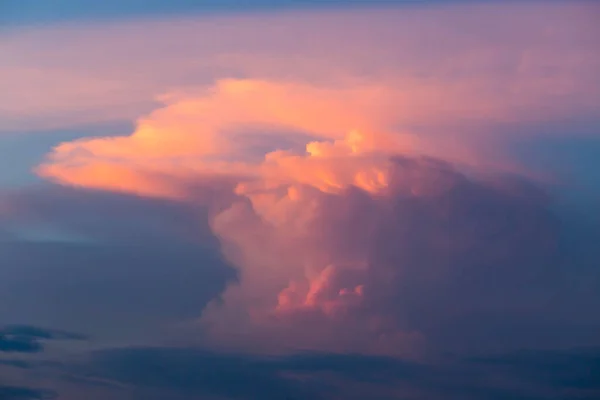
(16, 363)
(109, 291)
(116, 266)
(26, 339)
(196, 373)
(577, 369)
(186, 373)
(29, 339)
(19, 344)
(120, 268)
(484, 264)
(109, 218)
(22, 393)
(38, 333)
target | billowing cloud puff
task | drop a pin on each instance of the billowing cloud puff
(365, 214)
(346, 238)
(243, 129)
(374, 271)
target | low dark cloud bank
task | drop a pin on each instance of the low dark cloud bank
(187, 373)
(27, 339)
(20, 393)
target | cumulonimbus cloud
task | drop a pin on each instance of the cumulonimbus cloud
(340, 243)
(353, 229)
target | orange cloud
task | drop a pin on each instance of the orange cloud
(290, 223)
(340, 213)
(348, 134)
(191, 136)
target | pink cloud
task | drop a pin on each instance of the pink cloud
(364, 239)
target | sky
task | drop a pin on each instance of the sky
(239, 200)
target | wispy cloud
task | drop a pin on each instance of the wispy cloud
(527, 59)
(28, 339)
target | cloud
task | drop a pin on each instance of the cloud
(21, 393)
(19, 344)
(371, 212)
(120, 275)
(430, 254)
(40, 333)
(140, 373)
(16, 363)
(28, 339)
(362, 195)
(351, 247)
(349, 235)
(576, 369)
(122, 268)
(330, 220)
(304, 187)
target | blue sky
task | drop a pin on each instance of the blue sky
(40, 11)
(19, 153)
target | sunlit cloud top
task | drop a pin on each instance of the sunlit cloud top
(344, 158)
